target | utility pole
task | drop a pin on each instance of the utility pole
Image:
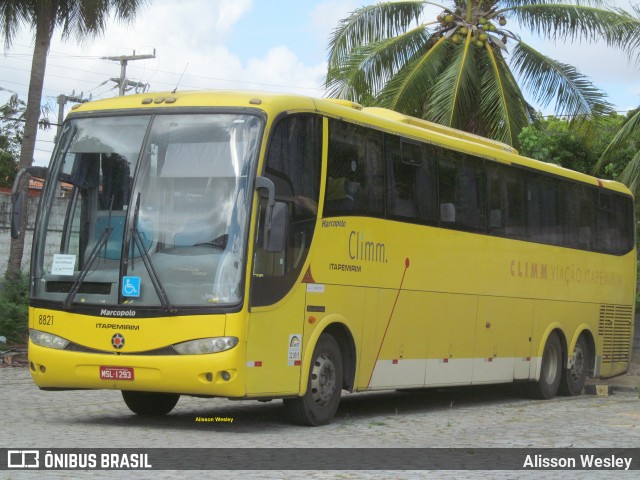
(62, 101)
(122, 82)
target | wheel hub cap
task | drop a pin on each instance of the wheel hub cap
(323, 380)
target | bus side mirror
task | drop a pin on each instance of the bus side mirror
(274, 240)
(276, 218)
(18, 204)
(19, 198)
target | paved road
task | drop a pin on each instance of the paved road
(478, 417)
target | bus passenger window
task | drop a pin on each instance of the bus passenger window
(505, 188)
(579, 216)
(404, 160)
(355, 174)
(544, 210)
(614, 228)
(461, 190)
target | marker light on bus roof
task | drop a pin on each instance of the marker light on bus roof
(206, 345)
(48, 340)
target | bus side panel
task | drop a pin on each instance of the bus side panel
(354, 307)
(399, 334)
(275, 335)
(424, 342)
(503, 339)
(451, 338)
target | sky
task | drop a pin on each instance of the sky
(271, 45)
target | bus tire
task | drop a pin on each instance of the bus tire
(320, 402)
(573, 378)
(150, 403)
(550, 371)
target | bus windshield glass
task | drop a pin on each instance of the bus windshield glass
(147, 211)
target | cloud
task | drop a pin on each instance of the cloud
(327, 15)
(281, 70)
(184, 24)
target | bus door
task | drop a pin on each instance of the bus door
(278, 296)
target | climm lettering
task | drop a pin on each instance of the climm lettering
(362, 249)
(566, 274)
(529, 269)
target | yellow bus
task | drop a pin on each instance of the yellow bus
(260, 246)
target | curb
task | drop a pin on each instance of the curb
(604, 390)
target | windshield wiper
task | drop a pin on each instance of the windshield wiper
(93, 255)
(146, 259)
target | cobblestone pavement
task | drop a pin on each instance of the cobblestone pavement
(476, 417)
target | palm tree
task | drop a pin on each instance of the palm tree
(465, 67)
(76, 18)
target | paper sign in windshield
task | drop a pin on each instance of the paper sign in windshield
(63, 264)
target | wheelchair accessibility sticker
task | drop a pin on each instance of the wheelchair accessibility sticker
(131, 286)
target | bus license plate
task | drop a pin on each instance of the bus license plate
(116, 373)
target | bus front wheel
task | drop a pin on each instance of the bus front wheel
(573, 378)
(550, 371)
(150, 403)
(320, 402)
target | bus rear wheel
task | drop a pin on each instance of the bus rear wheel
(573, 378)
(320, 402)
(550, 371)
(150, 403)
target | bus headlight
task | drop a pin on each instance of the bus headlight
(48, 340)
(206, 345)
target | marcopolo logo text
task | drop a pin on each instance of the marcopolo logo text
(117, 313)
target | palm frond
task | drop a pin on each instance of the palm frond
(549, 79)
(368, 67)
(371, 24)
(501, 101)
(507, 4)
(632, 24)
(630, 176)
(410, 88)
(13, 15)
(615, 27)
(454, 95)
(347, 80)
(88, 18)
(629, 131)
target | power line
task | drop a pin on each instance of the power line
(186, 75)
(123, 82)
(41, 122)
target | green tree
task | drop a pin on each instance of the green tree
(14, 306)
(8, 165)
(455, 69)
(75, 18)
(554, 140)
(11, 127)
(11, 133)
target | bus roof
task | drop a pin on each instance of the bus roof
(381, 118)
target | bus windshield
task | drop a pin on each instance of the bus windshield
(147, 211)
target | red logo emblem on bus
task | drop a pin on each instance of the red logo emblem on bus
(117, 341)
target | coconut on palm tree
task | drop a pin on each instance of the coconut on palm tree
(75, 18)
(466, 67)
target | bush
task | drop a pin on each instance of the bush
(14, 311)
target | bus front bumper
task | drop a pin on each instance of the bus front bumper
(217, 374)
